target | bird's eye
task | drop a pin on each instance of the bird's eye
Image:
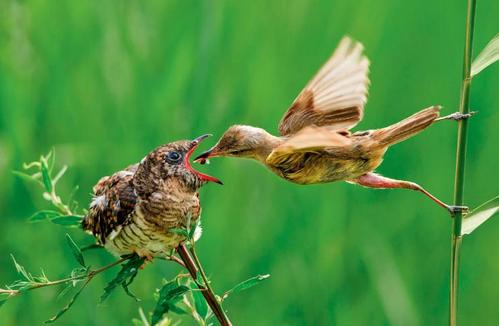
(173, 157)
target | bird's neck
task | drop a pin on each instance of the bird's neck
(266, 145)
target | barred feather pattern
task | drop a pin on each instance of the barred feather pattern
(133, 210)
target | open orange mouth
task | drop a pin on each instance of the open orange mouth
(203, 177)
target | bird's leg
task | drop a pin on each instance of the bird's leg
(456, 116)
(373, 180)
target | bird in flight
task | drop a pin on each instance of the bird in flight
(135, 210)
(315, 143)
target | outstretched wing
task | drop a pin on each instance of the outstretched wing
(113, 202)
(336, 95)
(291, 157)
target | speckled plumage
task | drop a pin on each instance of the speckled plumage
(133, 210)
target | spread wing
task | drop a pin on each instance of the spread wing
(308, 143)
(113, 202)
(335, 96)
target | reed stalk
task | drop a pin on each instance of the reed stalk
(464, 108)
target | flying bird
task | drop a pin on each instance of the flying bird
(135, 210)
(315, 143)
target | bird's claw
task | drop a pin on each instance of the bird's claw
(453, 210)
(147, 259)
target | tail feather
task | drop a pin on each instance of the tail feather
(407, 127)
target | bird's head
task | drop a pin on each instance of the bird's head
(171, 162)
(241, 141)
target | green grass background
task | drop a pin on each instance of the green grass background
(107, 81)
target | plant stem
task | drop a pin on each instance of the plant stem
(464, 108)
(89, 276)
(206, 290)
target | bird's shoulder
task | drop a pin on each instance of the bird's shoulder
(114, 199)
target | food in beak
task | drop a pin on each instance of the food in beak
(194, 144)
(203, 158)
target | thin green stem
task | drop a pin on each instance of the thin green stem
(200, 268)
(89, 276)
(464, 108)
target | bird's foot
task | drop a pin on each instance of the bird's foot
(453, 210)
(147, 259)
(456, 116)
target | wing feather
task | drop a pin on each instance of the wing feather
(310, 140)
(114, 200)
(335, 96)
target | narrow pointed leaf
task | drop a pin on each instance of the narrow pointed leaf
(479, 215)
(169, 295)
(200, 303)
(43, 215)
(488, 56)
(247, 284)
(47, 182)
(66, 308)
(20, 269)
(182, 232)
(67, 220)
(124, 277)
(27, 177)
(60, 174)
(75, 250)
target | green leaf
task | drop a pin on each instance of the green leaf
(169, 295)
(66, 308)
(199, 303)
(67, 220)
(21, 270)
(479, 215)
(488, 56)
(27, 177)
(47, 182)
(43, 215)
(182, 232)
(137, 322)
(124, 277)
(2, 302)
(246, 284)
(59, 174)
(75, 250)
(193, 229)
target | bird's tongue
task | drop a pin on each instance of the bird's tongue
(202, 176)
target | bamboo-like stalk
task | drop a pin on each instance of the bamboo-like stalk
(193, 267)
(464, 108)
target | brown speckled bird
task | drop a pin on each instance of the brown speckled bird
(316, 145)
(133, 210)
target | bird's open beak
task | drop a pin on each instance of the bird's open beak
(203, 157)
(194, 144)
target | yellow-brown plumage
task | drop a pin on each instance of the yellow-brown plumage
(316, 145)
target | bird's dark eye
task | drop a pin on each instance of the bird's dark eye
(173, 157)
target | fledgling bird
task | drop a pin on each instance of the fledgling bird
(316, 145)
(133, 210)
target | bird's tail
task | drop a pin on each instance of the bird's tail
(407, 127)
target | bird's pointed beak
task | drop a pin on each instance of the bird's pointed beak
(194, 144)
(203, 157)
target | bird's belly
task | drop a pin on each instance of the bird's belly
(142, 238)
(330, 170)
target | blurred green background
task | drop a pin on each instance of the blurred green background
(107, 81)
